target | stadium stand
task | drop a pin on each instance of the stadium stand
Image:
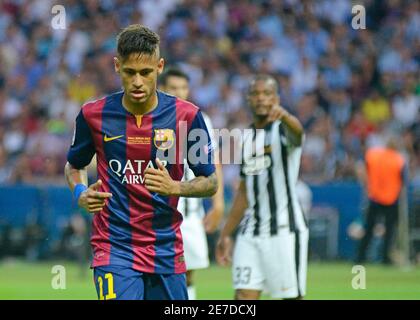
(348, 87)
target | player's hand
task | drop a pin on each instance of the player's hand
(159, 181)
(212, 219)
(277, 112)
(224, 251)
(92, 200)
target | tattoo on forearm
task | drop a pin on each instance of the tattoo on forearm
(199, 187)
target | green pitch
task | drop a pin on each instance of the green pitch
(20, 280)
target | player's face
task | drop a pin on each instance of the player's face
(177, 86)
(262, 96)
(139, 76)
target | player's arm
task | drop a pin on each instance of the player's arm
(88, 198)
(240, 203)
(204, 185)
(215, 215)
(224, 244)
(158, 180)
(75, 176)
(198, 187)
(293, 127)
(79, 156)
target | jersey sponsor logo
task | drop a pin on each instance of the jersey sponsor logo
(107, 139)
(130, 171)
(164, 138)
(254, 166)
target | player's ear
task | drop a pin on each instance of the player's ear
(117, 65)
(161, 65)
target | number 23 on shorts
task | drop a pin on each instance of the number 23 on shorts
(242, 275)
(108, 278)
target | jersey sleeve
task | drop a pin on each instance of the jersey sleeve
(287, 139)
(82, 148)
(200, 148)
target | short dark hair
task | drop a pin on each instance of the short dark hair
(137, 38)
(265, 78)
(173, 72)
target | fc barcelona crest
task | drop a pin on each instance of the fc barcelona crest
(164, 138)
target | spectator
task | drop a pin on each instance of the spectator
(220, 44)
(5, 168)
(406, 107)
(376, 108)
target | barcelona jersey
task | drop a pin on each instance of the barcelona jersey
(137, 228)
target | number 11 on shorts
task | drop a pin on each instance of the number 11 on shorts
(110, 281)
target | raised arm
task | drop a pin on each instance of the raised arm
(292, 125)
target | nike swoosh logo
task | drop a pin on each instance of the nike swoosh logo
(107, 139)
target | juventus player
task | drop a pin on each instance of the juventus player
(196, 223)
(270, 253)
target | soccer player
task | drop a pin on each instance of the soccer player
(270, 252)
(136, 237)
(194, 227)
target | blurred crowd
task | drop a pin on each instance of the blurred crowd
(349, 87)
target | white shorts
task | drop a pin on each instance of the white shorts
(195, 242)
(276, 265)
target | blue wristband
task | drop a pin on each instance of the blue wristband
(78, 189)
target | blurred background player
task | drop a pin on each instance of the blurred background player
(271, 247)
(196, 223)
(136, 237)
(383, 175)
(304, 195)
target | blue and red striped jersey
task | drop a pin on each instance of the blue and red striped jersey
(138, 228)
